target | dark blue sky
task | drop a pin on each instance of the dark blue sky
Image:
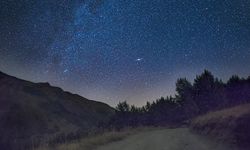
(115, 50)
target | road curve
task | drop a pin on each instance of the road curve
(166, 139)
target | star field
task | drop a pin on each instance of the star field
(115, 50)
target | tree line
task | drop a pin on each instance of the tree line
(205, 94)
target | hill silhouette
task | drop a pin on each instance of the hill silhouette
(30, 112)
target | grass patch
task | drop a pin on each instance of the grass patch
(93, 141)
(228, 125)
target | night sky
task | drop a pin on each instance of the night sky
(115, 50)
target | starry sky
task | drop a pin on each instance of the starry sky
(115, 50)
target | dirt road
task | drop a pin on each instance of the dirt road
(166, 139)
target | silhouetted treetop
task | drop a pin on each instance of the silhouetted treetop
(207, 93)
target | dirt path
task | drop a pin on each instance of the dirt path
(167, 139)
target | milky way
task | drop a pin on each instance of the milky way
(115, 50)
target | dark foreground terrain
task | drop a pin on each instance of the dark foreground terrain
(231, 125)
(167, 139)
(226, 129)
(39, 116)
(150, 139)
(31, 113)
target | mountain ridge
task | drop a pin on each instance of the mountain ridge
(30, 110)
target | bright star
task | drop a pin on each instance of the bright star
(139, 59)
(66, 70)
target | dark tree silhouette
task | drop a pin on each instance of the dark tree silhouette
(185, 97)
(207, 93)
(204, 91)
(123, 107)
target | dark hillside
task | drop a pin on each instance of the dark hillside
(31, 111)
(229, 125)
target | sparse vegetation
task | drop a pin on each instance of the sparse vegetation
(94, 140)
(230, 125)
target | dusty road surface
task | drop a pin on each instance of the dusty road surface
(166, 139)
